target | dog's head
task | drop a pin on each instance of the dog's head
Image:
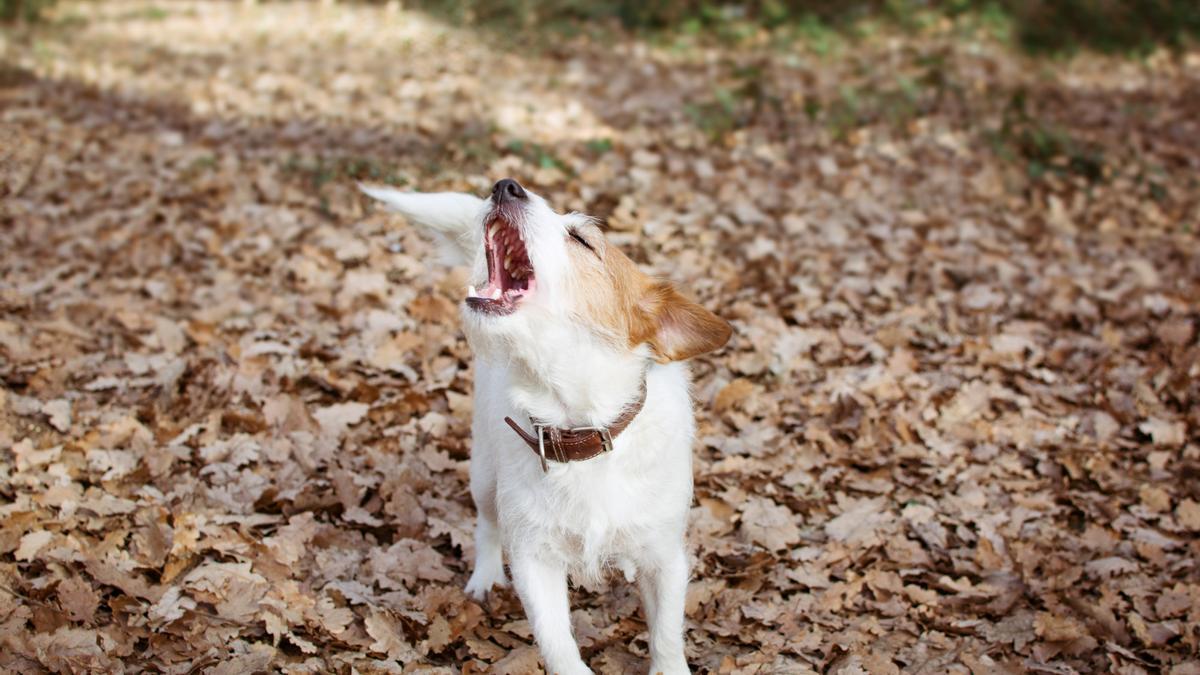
(542, 273)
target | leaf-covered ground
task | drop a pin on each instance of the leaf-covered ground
(958, 428)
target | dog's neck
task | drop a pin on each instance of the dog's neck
(587, 385)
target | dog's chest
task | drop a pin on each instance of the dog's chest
(601, 525)
(601, 510)
(607, 510)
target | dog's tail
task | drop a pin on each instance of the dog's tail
(453, 217)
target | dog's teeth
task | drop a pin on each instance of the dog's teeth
(495, 293)
(471, 292)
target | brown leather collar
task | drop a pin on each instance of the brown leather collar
(579, 443)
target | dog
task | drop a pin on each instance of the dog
(583, 422)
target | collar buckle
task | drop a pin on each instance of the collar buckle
(606, 441)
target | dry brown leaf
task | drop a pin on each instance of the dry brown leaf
(389, 637)
(78, 599)
(769, 525)
(32, 543)
(59, 413)
(1163, 432)
(1188, 514)
(1057, 628)
(72, 650)
(860, 521)
(335, 419)
(520, 661)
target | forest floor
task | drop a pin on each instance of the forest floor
(957, 428)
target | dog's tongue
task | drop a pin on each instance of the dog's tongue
(510, 274)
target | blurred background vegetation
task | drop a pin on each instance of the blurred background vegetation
(1034, 129)
(1037, 25)
(23, 10)
(1047, 26)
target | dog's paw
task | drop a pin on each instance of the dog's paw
(482, 581)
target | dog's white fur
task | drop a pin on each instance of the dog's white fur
(626, 509)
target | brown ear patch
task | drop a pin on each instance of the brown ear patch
(620, 300)
(678, 328)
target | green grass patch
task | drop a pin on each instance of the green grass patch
(1044, 148)
(537, 154)
(151, 13)
(321, 171)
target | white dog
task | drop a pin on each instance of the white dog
(583, 424)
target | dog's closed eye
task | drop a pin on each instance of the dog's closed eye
(579, 238)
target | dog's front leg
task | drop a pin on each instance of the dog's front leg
(542, 587)
(663, 584)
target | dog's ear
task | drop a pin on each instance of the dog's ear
(678, 328)
(453, 217)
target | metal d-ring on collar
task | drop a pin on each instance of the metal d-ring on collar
(576, 444)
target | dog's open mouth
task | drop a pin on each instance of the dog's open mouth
(510, 274)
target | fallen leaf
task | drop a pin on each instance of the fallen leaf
(335, 419)
(769, 525)
(1188, 514)
(59, 413)
(389, 637)
(32, 543)
(1163, 432)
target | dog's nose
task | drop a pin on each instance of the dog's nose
(507, 189)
